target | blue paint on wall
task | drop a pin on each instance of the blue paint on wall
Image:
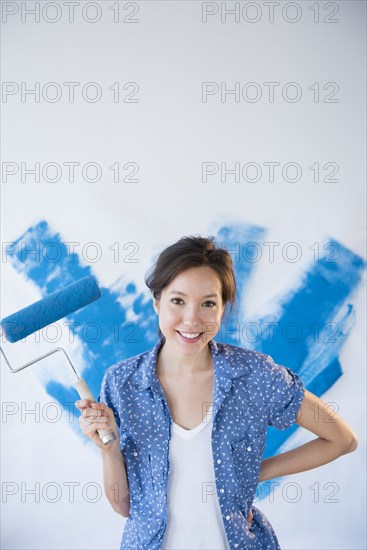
(315, 319)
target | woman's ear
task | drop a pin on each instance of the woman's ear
(156, 306)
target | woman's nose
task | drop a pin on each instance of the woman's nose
(191, 317)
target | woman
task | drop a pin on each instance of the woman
(191, 415)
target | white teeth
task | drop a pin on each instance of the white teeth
(188, 335)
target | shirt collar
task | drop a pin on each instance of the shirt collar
(224, 370)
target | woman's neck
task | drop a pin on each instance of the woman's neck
(169, 362)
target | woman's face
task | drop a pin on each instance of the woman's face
(190, 309)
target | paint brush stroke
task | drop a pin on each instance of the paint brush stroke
(106, 341)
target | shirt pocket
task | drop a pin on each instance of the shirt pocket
(138, 470)
(247, 457)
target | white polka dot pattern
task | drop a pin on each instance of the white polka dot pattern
(250, 393)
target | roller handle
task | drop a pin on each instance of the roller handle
(106, 436)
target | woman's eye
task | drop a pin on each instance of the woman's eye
(180, 300)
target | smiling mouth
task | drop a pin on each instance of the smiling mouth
(190, 335)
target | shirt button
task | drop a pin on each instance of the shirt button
(135, 453)
(219, 461)
(249, 448)
(228, 517)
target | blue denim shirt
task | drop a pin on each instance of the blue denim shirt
(250, 393)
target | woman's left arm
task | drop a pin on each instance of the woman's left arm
(335, 438)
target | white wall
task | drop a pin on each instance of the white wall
(169, 52)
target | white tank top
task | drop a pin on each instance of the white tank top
(194, 519)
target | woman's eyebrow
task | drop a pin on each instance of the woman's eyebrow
(183, 294)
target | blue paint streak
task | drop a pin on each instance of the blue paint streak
(321, 300)
(237, 241)
(114, 339)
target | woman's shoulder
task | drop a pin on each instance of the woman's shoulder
(252, 357)
(260, 365)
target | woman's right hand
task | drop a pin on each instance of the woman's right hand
(95, 416)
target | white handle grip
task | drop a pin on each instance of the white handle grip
(106, 436)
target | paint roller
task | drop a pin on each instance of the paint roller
(55, 306)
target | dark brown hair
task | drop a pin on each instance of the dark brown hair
(188, 252)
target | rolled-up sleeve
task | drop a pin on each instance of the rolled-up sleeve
(284, 396)
(109, 395)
